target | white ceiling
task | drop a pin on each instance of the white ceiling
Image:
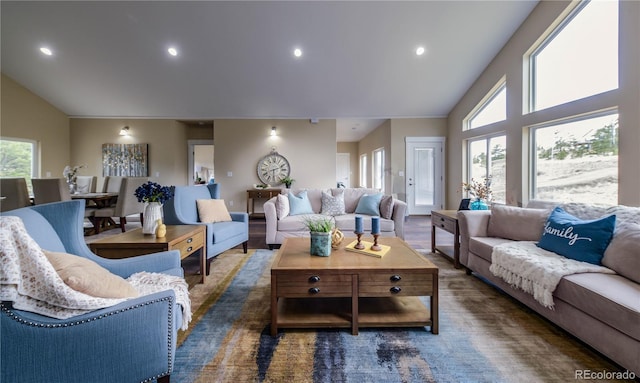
(236, 58)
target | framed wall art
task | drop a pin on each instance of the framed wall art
(128, 160)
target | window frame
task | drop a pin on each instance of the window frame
(484, 102)
(469, 159)
(363, 170)
(377, 169)
(530, 57)
(533, 150)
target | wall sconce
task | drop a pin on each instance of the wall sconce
(273, 131)
(124, 131)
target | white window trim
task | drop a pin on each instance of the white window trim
(493, 93)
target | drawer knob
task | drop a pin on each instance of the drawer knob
(395, 278)
(189, 240)
(189, 249)
(314, 279)
(314, 290)
(395, 290)
(442, 219)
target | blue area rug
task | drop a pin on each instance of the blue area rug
(229, 340)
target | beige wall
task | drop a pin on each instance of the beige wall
(25, 115)
(240, 144)
(167, 150)
(509, 62)
(378, 138)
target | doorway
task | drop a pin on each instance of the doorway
(200, 163)
(343, 169)
(425, 174)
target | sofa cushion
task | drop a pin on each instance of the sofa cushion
(483, 246)
(282, 206)
(333, 204)
(299, 204)
(386, 207)
(223, 231)
(577, 239)
(212, 210)
(369, 204)
(352, 197)
(623, 253)
(520, 224)
(86, 276)
(610, 298)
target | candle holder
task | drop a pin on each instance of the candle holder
(375, 246)
(358, 245)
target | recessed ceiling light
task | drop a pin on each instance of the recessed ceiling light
(297, 52)
(46, 51)
(172, 51)
(420, 51)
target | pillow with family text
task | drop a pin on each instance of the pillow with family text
(575, 238)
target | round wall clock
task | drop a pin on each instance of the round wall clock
(272, 168)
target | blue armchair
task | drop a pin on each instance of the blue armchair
(221, 236)
(133, 341)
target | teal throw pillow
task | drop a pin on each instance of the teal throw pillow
(299, 204)
(369, 204)
(577, 239)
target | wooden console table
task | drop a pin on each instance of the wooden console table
(254, 194)
(446, 220)
(186, 238)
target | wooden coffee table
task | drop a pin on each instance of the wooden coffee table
(186, 238)
(353, 290)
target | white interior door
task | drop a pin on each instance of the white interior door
(343, 169)
(425, 174)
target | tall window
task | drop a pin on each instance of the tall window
(363, 170)
(579, 59)
(491, 109)
(577, 161)
(18, 159)
(378, 169)
(488, 159)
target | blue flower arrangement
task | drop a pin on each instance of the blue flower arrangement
(154, 192)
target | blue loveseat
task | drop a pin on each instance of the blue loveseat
(133, 341)
(221, 236)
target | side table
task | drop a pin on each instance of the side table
(253, 194)
(186, 238)
(446, 220)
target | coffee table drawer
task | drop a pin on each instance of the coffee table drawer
(190, 244)
(391, 284)
(310, 285)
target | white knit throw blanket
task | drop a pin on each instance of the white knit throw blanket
(29, 280)
(536, 271)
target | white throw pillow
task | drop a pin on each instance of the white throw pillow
(282, 206)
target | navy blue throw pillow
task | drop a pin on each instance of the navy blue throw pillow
(575, 238)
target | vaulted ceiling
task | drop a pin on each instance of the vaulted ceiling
(235, 59)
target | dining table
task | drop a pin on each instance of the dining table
(99, 201)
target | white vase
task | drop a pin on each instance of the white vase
(152, 213)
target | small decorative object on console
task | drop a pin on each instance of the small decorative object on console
(481, 191)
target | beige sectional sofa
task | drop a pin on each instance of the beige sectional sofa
(602, 310)
(281, 226)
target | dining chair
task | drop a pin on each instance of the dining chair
(46, 190)
(14, 193)
(127, 204)
(86, 184)
(111, 184)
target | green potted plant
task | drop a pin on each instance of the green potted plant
(320, 230)
(287, 181)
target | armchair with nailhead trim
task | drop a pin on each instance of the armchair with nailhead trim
(133, 341)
